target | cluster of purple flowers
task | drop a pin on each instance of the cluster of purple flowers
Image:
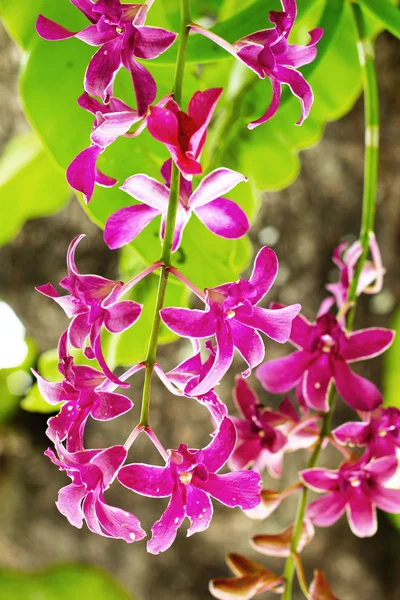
(233, 318)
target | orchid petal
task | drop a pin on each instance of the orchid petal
(125, 224)
(320, 479)
(118, 523)
(358, 392)
(109, 406)
(165, 530)
(199, 510)
(276, 324)
(249, 344)
(264, 273)
(386, 499)
(214, 185)
(69, 503)
(51, 31)
(218, 451)
(273, 107)
(150, 42)
(366, 343)
(147, 480)
(103, 68)
(316, 383)
(143, 82)
(327, 510)
(299, 87)
(81, 173)
(282, 374)
(241, 488)
(361, 513)
(246, 399)
(224, 218)
(189, 323)
(121, 315)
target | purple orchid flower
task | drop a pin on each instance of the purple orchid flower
(92, 472)
(264, 435)
(323, 356)
(371, 276)
(232, 315)
(268, 54)
(112, 121)
(82, 393)
(381, 433)
(220, 215)
(190, 478)
(356, 487)
(120, 32)
(92, 304)
(183, 134)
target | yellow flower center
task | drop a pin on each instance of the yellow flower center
(186, 477)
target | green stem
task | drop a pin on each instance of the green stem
(301, 509)
(371, 102)
(169, 224)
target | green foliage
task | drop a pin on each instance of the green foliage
(391, 371)
(47, 366)
(387, 14)
(31, 185)
(14, 382)
(64, 582)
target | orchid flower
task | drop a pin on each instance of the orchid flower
(325, 350)
(120, 31)
(190, 478)
(221, 216)
(232, 315)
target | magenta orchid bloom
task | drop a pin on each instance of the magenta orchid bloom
(371, 276)
(120, 32)
(183, 134)
(92, 472)
(356, 487)
(268, 54)
(190, 478)
(264, 436)
(92, 304)
(220, 215)
(112, 121)
(323, 356)
(82, 393)
(380, 434)
(232, 315)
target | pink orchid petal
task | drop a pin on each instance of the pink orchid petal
(109, 461)
(199, 510)
(81, 173)
(147, 480)
(297, 56)
(51, 31)
(113, 126)
(264, 273)
(164, 531)
(104, 180)
(246, 399)
(109, 406)
(224, 218)
(273, 107)
(301, 332)
(386, 499)
(241, 488)
(69, 503)
(316, 383)
(79, 330)
(249, 55)
(201, 108)
(92, 36)
(118, 523)
(215, 185)
(121, 315)
(189, 323)
(361, 513)
(383, 468)
(60, 424)
(148, 190)
(125, 225)
(53, 393)
(162, 124)
(87, 8)
(320, 479)
(98, 354)
(143, 82)
(218, 451)
(276, 324)
(103, 68)
(367, 343)
(353, 433)
(245, 454)
(249, 344)
(299, 88)
(327, 510)
(150, 42)
(359, 393)
(282, 374)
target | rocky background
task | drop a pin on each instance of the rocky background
(303, 224)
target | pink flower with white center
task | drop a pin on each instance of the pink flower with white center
(269, 54)
(357, 488)
(190, 478)
(183, 134)
(123, 37)
(232, 315)
(325, 350)
(264, 435)
(371, 276)
(220, 215)
(92, 472)
(92, 304)
(82, 394)
(380, 434)
(112, 121)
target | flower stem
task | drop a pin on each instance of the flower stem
(371, 103)
(301, 509)
(170, 222)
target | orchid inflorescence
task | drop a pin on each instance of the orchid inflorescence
(232, 318)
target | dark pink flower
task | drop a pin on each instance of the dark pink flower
(112, 121)
(82, 393)
(120, 32)
(232, 315)
(356, 487)
(92, 304)
(323, 356)
(371, 276)
(220, 215)
(190, 478)
(380, 434)
(269, 54)
(92, 472)
(183, 134)
(264, 435)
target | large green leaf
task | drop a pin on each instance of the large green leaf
(64, 582)
(31, 185)
(14, 381)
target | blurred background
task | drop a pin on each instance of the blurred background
(303, 224)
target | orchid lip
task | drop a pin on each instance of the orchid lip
(185, 477)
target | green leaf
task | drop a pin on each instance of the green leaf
(64, 582)
(391, 370)
(14, 381)
(31, 185)
(387, 14)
